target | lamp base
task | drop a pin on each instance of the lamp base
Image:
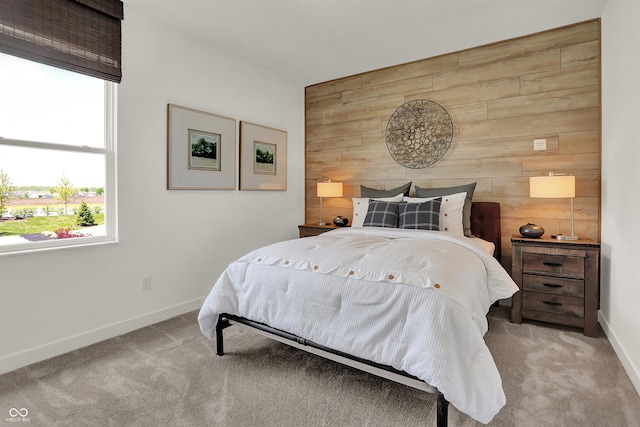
(565, 237)
(322, 223)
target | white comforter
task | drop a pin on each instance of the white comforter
(413, 300)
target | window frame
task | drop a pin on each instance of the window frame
(110, 193)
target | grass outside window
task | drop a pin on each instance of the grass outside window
(38, 224)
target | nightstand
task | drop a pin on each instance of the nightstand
(308, 230)
(559, 282)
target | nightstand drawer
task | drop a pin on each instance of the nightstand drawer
(557, 265)
(553, 304)
(553, 285)
(310, 230)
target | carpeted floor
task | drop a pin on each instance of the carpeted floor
(168, 375)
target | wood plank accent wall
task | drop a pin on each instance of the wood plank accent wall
(500, 97)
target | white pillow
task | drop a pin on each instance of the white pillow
(361, 206)
(450, 211)
(489, 247)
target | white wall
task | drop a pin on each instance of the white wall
(57, 301)
(620, 288)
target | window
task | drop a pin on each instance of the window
(57, 150)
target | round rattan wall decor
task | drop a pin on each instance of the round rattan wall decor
(419, 133)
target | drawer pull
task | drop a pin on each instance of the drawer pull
(551, 285)
(551, 303)
(553, 264)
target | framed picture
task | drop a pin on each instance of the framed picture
(201, 150)
(204, 150)
(263, 157)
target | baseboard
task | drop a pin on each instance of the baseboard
(56, 348)
(629, 367)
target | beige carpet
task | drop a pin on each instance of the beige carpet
(168, 375)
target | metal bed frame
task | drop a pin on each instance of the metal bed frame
(226, 320)
(485, 223)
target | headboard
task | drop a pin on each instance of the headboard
(485, 223)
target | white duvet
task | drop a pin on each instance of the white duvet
(413, 300)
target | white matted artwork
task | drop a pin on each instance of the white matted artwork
(263, 157)
(201, 150)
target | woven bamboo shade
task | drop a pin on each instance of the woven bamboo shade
(78, 35)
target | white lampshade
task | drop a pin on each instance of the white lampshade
(329, 189)
(552, 186)
(555, 187)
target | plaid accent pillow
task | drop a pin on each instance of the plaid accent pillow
(381, 214)
(420, 216)
(466, 210)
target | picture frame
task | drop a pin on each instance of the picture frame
(201, 150)
(263, 158)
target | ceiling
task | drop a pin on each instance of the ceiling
(320, 40)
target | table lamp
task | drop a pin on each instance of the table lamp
(555, 186)
(328, 189)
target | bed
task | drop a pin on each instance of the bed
(347, 296)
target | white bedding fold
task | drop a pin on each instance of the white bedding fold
(422, 313)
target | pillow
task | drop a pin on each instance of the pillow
(361, 205)
(450, 211)
(420, 216)
(381, 214)
(489, 247)
(466, 213)
(373, 192)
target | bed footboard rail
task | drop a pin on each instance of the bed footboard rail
(226, 320)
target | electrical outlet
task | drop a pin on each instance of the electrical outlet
(146, 283)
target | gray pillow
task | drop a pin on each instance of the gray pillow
(373, 192)
(420, 216)
(381, 214)
(466, 210)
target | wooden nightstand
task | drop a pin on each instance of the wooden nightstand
(308, 230)
(559, 282)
